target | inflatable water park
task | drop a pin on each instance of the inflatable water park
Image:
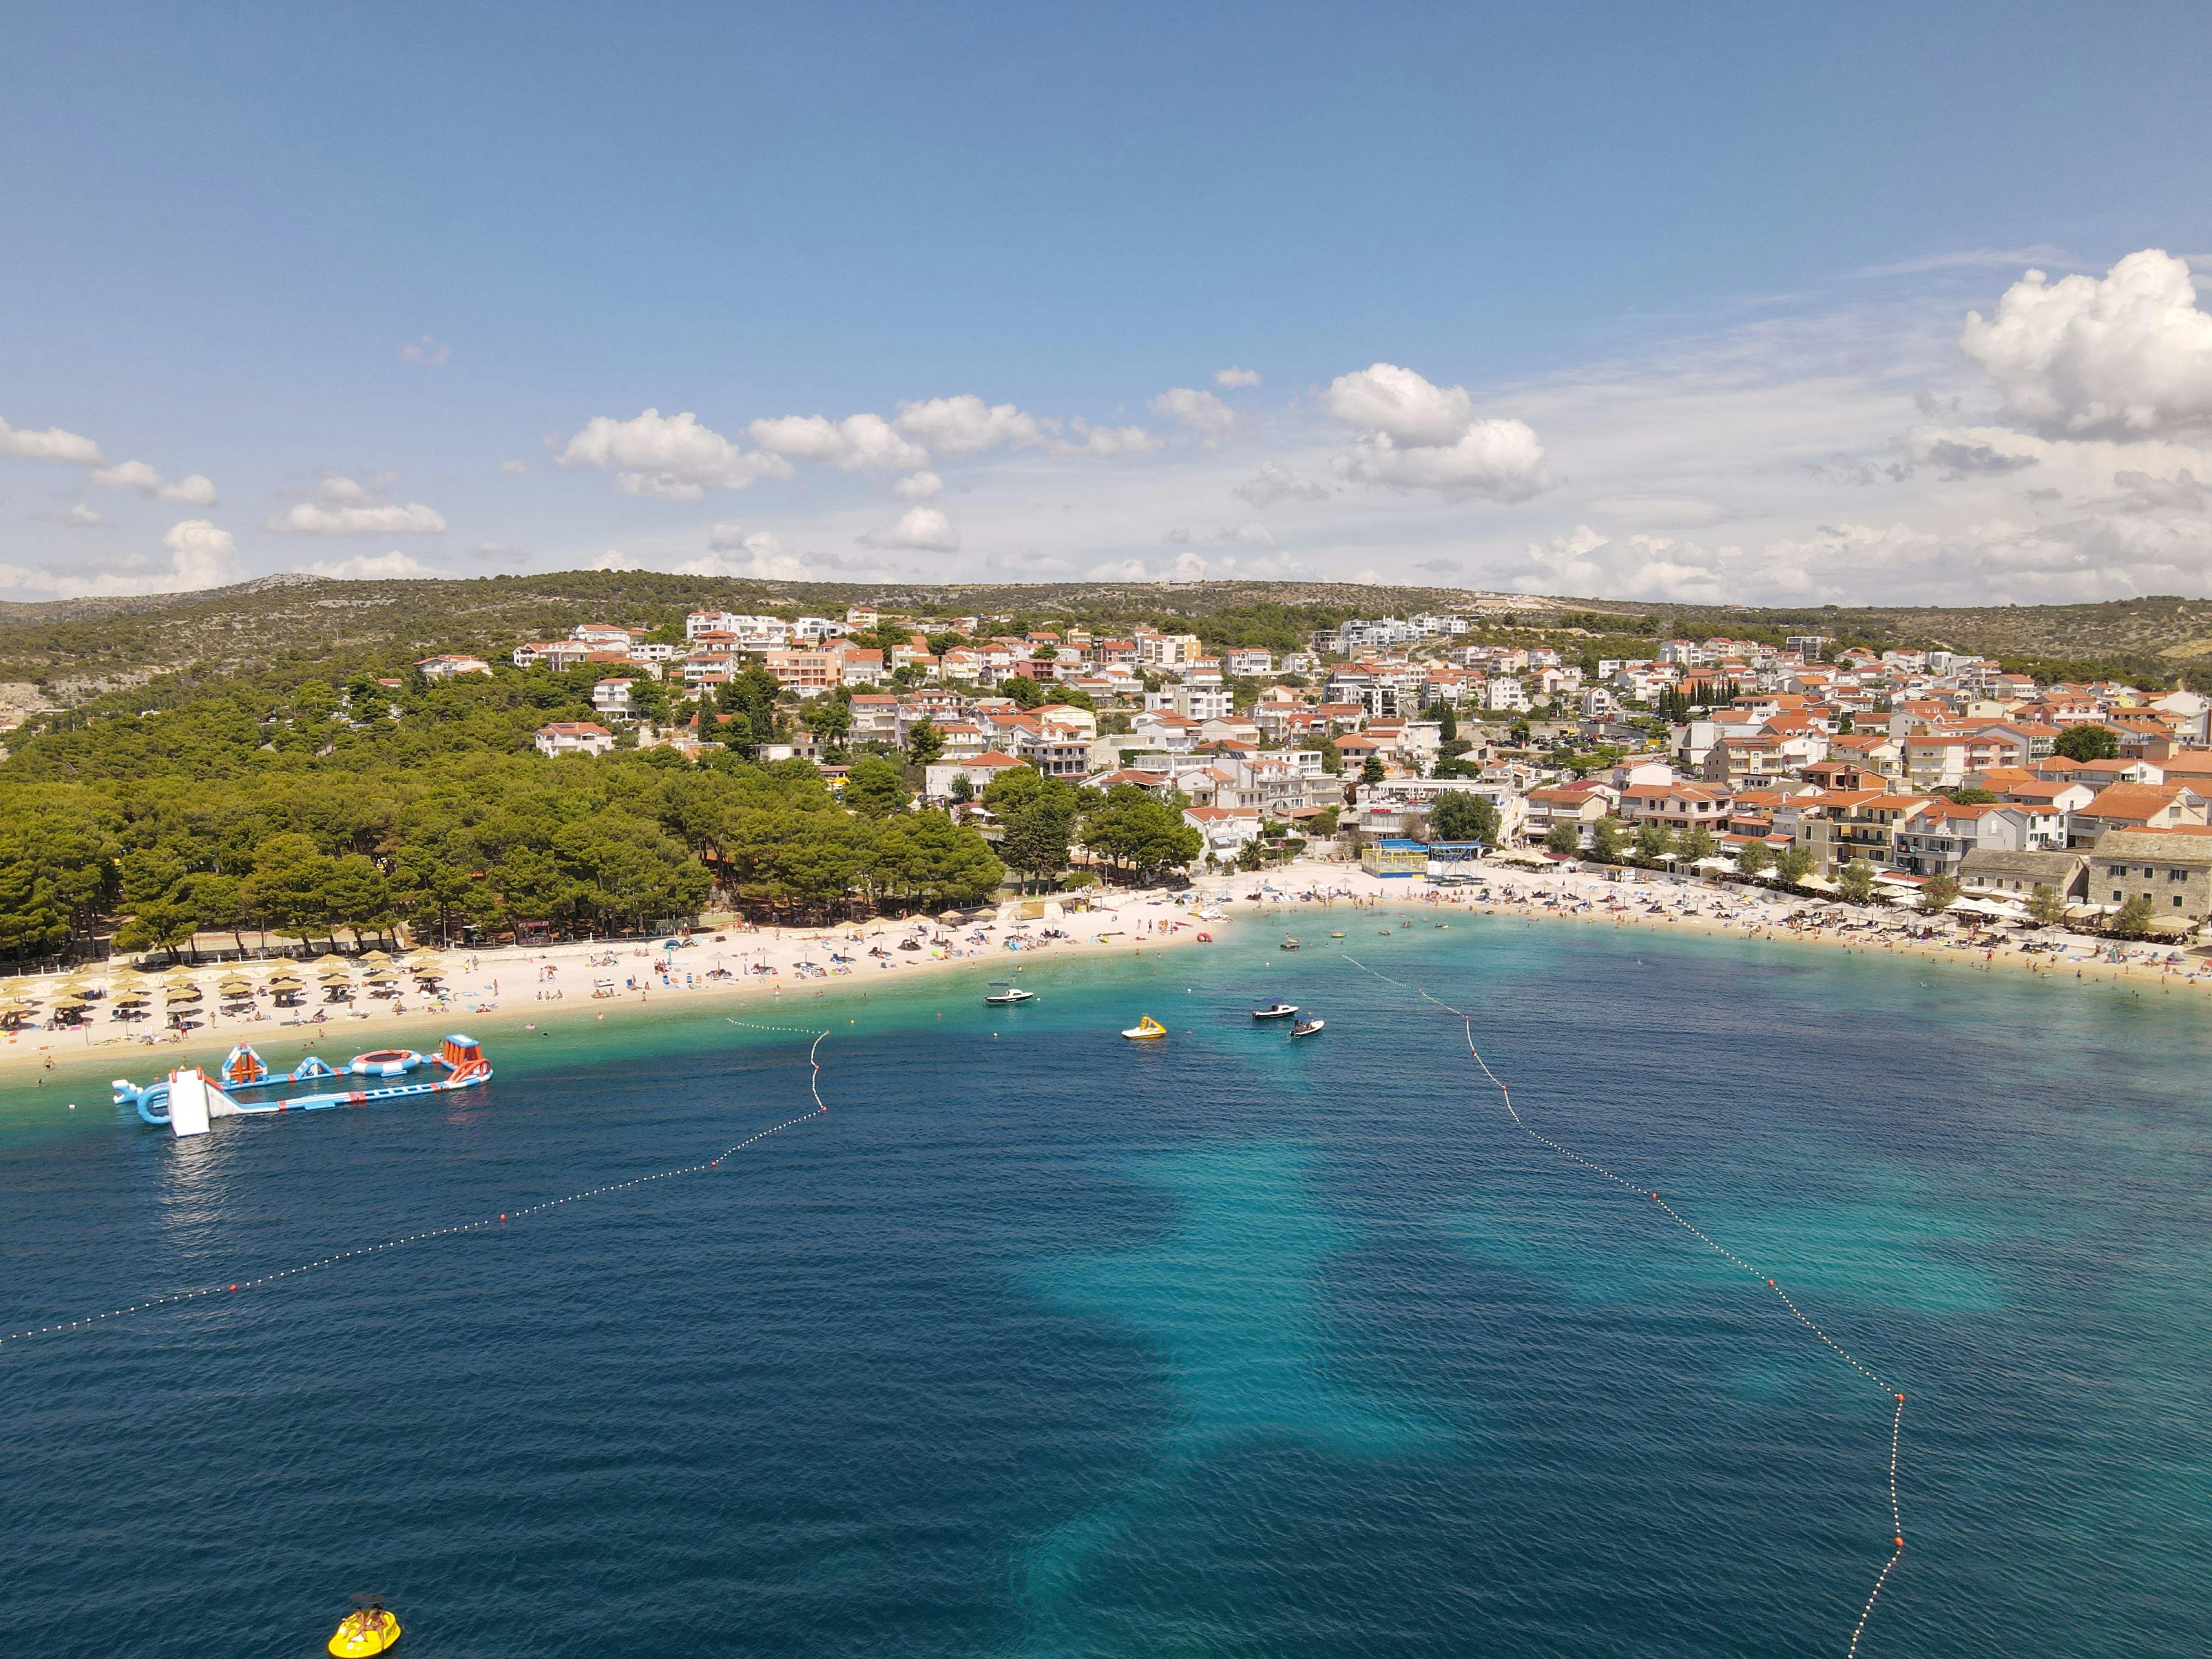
(187, 1100)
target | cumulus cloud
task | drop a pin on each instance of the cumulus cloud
(1090, 440)
(1417, 435)
(349, 507)
(859, 443)
(1273, 483)
(51, 445)
(764, 558)
(1246, 535)
(1122, 570)
(426, 350)
(1201, 412)
(197, 491)
(1441, 567)
(918, 488)
(79, 516)
(614, 559)
(2148, 493)
(2126, 354)
(1236, 377)
(924, 529)
(374, 567)
(515, 469)
(202, 554)
(1177, 538)
(966, 425)
(674, 457)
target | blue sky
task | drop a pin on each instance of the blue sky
(1656, 302)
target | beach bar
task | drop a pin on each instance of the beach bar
(1395, 858)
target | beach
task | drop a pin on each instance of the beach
(524, 988)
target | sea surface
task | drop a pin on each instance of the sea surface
(1041, 1342)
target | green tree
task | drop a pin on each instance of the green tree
(1938, 893)
(924, 741)
(1373, 771)
(876, 788)
(1794, 864)
(1564, 838)
(1605, 838)
(1754, 858)
(2046, 908)
(1138, 834)
(2132, 919)
(962, 791)
(1699, 843)
(1652, 840)
(830, 721)
(2088, 743)
(1462, 815)
(1025, 691)
(1855, 881)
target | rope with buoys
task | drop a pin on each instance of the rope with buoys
(176, 1298)
(1897, 1418)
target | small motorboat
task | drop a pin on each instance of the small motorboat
(1146, 1030)
(1005, 991)
(1275, 1011)
(369, 1629)
(1289, 944)
(1336, 936)
(1306, 1027)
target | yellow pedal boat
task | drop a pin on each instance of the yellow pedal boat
(1145, 1030)
(365, 1631)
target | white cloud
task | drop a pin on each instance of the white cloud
(1589, 564)
(966, 425)
(197, 491)
(515, 469)
(1201, 412)
(765, 559)
(1247, 535)
(923, 528)
(79, 516)
(51, 445)
(1274, 483)
(346, 507)
(918, 488)
(1122, 570)
(669, 456)
(2127, 354)
(857, 443)
(614, 559)
(374, 567)
(500, 553)
(1106, 440)
(1236, 377)
(2182, 493)
(1417, 435)
(426, 350)
(1177, 538)
(202, 554)
(1189, 568)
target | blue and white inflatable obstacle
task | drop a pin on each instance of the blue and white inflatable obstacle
(186, 1100)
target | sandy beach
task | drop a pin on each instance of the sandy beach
(518, 988)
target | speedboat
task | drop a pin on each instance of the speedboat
(1146, 1030)
(1275, 1011)
(1289, 944)
(1306, 1027)
(1006, 991)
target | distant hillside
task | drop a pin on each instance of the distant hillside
(74, 649)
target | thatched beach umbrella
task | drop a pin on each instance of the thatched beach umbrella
(332, 959)
(377, 958)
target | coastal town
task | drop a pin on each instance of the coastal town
(1929, 778)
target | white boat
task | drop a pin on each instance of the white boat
(1006, 991)
(1306, 1027)
(1146, 1030)
(1275, 1011)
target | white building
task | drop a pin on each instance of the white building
(574, 737)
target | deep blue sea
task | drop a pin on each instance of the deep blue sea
(1043, 1343)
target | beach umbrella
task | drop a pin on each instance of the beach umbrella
(332, 959)
(377, 955)
(13, 1013)
(187, 993)
(78, 987)
(380, 975)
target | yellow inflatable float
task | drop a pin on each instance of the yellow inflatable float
(369, 1629)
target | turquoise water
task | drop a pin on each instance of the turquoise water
(1044, 1343)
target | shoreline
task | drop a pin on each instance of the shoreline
(511, 991)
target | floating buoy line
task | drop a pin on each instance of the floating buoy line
(1897, 1416)
(176, 1298)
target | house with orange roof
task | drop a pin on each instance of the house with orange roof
(2135, 806)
